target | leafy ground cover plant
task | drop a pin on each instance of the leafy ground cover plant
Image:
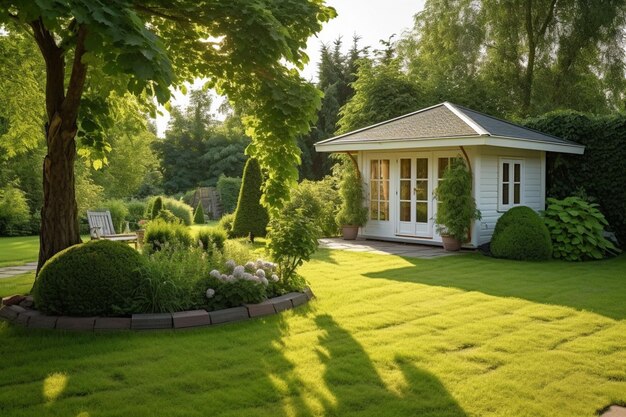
(521, 234)
(577, 230)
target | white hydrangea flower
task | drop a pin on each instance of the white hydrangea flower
(230, 264)
(274, 277)
(215, 274)
(238, 271)
(250, 266)
(225, 278)
(264, 281)
(268, 265)
(260, 273)
(210, 293)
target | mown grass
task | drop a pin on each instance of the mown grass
(387, 336)
(18, 250)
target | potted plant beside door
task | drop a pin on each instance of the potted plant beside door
(352, 214)
(456, 208)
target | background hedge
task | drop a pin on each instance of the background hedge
(600, 173)
(250, 216)
(181, 210)
(228, 189)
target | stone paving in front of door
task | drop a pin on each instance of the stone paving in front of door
(410, 250)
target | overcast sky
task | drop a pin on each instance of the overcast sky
(372, 20)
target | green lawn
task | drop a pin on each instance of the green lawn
(387, 336)
(18, 250)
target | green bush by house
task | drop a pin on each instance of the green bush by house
(250, 216)
(95, 278)
(577, 230)
(600, 173)
(521, 234)
(226, 223)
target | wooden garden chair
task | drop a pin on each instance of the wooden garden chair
(101, 227)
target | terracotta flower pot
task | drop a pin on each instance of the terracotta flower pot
(451, 244)
(349, 232)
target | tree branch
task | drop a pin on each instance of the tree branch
(548, 19)
(55, 66)
(153, 12)
(77, 78)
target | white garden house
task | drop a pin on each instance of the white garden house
(403, 159)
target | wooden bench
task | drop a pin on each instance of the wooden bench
(101, 227)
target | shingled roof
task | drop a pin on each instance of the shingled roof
(449, 123)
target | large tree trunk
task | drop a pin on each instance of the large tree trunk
(59, 215)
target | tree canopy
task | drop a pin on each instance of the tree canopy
(520, 58)
(248, 50)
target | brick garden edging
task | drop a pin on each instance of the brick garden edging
(27, 317)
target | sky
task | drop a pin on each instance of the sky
(372, 20)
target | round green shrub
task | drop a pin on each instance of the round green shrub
(250, 216)
(98, 278)
(521, 234)
(160, 233)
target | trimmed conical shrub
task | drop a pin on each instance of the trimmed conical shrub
(250, 216)
(198, 217)
(157, 207)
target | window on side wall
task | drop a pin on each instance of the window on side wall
(379, 189)
(510, 183)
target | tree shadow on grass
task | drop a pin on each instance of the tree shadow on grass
(358, 389)
(596, 286)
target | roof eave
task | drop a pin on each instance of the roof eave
(504, 142)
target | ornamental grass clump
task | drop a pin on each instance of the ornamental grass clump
(577, 230)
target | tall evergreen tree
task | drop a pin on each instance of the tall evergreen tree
(337, 72)
(250, 217)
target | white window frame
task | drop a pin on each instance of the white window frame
(511, 182)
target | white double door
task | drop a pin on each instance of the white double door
(415, 202)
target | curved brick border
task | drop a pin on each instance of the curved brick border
(181, 320)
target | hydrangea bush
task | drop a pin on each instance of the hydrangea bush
(236, 284)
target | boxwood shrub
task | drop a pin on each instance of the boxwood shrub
(521, 234)
(95, 278)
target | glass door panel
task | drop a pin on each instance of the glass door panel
(405, 194)
(422, 197)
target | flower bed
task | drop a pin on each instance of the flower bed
(25, 316)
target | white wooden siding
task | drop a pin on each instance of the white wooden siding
(533, 185)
